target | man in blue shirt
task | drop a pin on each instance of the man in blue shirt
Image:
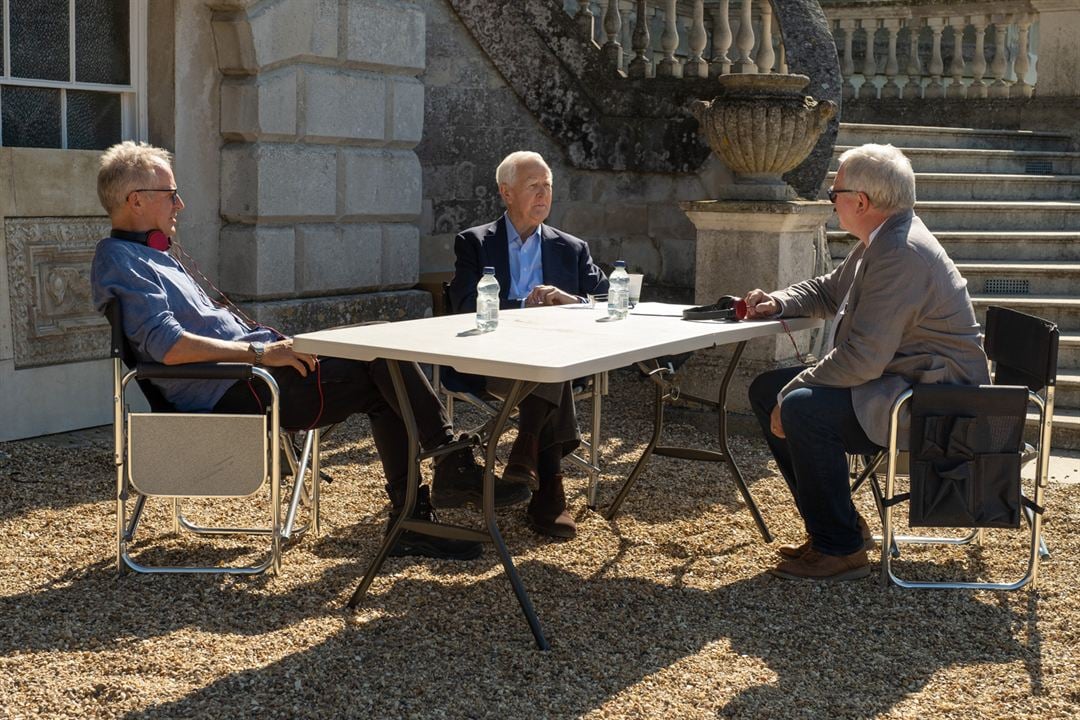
(535, 264)
(169, 319)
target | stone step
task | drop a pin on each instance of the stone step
(1013, 162)
(919, 136)
(1066, 430)
(1067, 394)
(1046, 215)
(1064, 311)
(1069, 350)
(1005, 277)
(990, 186)
(988, 245)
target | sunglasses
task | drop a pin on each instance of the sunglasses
(833, 192)
(174, 192)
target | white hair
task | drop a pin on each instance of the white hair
(883, 173)
(507, 171)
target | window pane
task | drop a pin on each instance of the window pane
(31, 116)
(93, 119)
(101, 41)
(39, 39)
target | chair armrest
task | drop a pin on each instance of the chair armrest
(194, 371)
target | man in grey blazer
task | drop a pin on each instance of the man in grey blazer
(902, 316)
(535, 264)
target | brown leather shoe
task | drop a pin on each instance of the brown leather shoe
(818, 566)
(793, 552)
(521, 467)
(547, 510)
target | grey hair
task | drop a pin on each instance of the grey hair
(126, 166)
(506, 173)
(883, 173)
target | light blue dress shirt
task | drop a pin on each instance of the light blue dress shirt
(526, 267)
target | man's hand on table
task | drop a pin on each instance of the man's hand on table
(549, 295)
(760, 306)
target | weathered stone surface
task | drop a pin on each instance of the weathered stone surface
(348, 105)
(407, 123)
(400, 253)
(310, 314)
(385, 33)
(294, 29)
(337, 259)
(261, 181)
(251, 110)
(48, 265)
(381, 182)
(256, 261)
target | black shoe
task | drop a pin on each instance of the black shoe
(414, 543)
(459, 480)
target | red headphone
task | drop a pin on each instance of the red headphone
(154, 239)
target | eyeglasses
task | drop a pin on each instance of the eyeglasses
(175, 192)
(832, 193)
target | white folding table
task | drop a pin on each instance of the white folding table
(530, 346)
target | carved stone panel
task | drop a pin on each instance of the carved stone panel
(53, 320)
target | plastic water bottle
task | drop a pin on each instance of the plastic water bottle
(487, 301)
(618, 298)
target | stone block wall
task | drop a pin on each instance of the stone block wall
(321, 111)
(472, 119)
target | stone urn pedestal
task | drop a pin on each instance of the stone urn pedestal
(757, 233)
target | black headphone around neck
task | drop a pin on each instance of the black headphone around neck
(151, 238)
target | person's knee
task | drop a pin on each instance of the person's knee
(762, 393)
(799, 408)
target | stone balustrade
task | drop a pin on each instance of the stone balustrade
(954, 49)
(683, 38)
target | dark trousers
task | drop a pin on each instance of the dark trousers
(340, 388)
(821, 427)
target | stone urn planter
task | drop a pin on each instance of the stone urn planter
(762, 126)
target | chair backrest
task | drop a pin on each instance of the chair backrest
(1024, 348)
(120, 349)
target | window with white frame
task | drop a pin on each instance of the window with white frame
(72, 73)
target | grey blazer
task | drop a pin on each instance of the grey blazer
(908, 320)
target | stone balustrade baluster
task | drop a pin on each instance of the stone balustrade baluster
(696, 65)
(1023, 63)
(847, 65)
(936, 89)
(914, 68)
(977, 89)
(892, 65)
(869, 88)
(1000, 65)
(639, 66)
(585, 18)
(613, 27)
(669, 41)
(956, 67)
(766, 55)
(744, 40)
(721, 23)
(783, 50)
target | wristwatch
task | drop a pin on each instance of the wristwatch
(258, 348)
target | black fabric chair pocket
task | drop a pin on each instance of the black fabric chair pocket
(997, 490)
(942, 494)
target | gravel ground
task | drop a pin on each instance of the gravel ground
(665, 612)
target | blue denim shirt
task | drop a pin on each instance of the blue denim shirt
(160, 301)
(526, 270)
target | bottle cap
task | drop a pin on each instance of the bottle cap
(489, 270)
(620, 263)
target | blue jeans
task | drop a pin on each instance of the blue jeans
(821, 428)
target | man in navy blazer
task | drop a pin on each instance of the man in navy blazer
(535, 265)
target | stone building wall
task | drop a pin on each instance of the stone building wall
(472, 119)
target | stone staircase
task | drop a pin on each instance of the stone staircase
(1006, 206)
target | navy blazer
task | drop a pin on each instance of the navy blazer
(565, 260)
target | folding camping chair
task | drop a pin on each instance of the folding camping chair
(175, 455)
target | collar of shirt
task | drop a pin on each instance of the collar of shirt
(875, 233)
(526, 270)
